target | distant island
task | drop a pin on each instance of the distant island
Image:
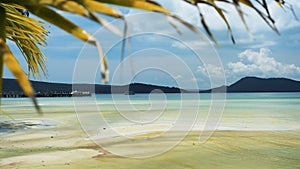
(46, 89)
(247, 84)
(256, 84)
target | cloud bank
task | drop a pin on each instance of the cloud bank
(260, 63)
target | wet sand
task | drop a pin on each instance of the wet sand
(69, 147)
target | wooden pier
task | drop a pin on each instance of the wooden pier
(20, 95)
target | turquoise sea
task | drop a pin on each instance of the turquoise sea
(242, 111)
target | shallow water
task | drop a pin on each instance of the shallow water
(242, 111)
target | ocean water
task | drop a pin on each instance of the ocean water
(235, 111)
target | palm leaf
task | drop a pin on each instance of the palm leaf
(29, 35)
(268, 19)
(2, 38)
(206, 28)
(11, 62)
(222, 15)
(13, 65)
(61, 22)
(80, 7)
(94, 6)
(280, 2)
(139, 4)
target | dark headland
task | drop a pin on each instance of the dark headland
(46, 89)
(247, 84)
(255, 84)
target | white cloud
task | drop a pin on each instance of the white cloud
(212, 71)
(261, 64)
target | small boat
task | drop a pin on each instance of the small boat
(129, 92)
(80, 93)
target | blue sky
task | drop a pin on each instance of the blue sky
(263, 53)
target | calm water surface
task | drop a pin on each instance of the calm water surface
(242, 111)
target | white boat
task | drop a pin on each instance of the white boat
(80, 93)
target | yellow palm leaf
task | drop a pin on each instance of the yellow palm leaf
(280, 3)
(13, 65)
(2, 38)
(95, 6)
(139, 4)
(29, 35)
(79, 7)
(61, 22)
(56, 19)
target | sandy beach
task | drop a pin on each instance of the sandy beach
(69, 147)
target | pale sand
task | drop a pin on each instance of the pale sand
(63, 157)
(69, 147)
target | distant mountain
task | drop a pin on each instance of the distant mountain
(255, 84)
(10, 86)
